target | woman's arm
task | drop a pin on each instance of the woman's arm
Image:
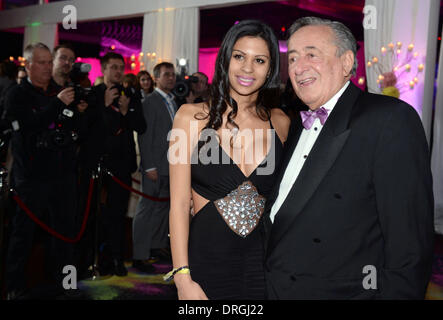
(181, 138)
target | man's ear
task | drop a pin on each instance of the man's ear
(347, 60)
(27, 66)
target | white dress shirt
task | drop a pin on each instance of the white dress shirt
(301, 153)
(170, 103)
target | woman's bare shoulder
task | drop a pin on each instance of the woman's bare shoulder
(192, 112)
(281, 123)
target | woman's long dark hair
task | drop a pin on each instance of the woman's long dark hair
(220, 96)
(141, 74)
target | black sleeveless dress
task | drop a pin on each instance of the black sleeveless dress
(226, 240)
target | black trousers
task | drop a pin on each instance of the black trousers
(111, 231)
(53, 202)
(114, 213)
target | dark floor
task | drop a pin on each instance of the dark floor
(140, 286)
(134, 286)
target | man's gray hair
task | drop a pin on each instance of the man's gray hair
(28, 53)
(344, 39)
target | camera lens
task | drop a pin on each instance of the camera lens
(181, 89)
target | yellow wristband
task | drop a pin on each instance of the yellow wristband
(182, 270)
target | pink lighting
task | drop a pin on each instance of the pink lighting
(282, 46)
(95, 67)
(206, 61)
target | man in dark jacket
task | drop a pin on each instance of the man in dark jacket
(44, 166)
(112, 121)
(351, 216)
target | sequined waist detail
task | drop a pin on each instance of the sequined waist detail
(242, 208)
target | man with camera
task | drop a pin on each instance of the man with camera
(151, 221)
(199, 88)
(64, 58)
(44, 167)
(112, 121)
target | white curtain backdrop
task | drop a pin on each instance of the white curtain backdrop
(409, 22)
(416, 22)
(376, 38)
(45, 33)
(437, 149)
(170, 34)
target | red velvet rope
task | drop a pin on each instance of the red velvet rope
(52, 231)
(121, 183)
(86, 214)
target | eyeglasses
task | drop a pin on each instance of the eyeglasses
(65, 58)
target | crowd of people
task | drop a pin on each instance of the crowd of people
(335, 203)
(66, 130)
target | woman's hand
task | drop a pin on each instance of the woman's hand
(188, 289)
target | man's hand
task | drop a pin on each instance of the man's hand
(152, 175)
(110, 95)
(67, 96)
(81, 107)
(123, 104)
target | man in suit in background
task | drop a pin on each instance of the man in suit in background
(352, 214)
(151, 223)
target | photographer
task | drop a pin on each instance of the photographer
(44, 166)
(64, 58)
(112, 122)
(199, 89)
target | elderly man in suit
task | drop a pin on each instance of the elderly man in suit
(352, 214)
(150, 224)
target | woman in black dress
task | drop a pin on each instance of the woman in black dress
(224, 154)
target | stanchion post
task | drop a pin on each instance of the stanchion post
(99, 178)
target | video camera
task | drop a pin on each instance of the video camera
(183, 85)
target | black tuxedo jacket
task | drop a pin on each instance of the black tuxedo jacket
(363, 198)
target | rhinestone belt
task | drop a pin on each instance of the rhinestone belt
(242, 208)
